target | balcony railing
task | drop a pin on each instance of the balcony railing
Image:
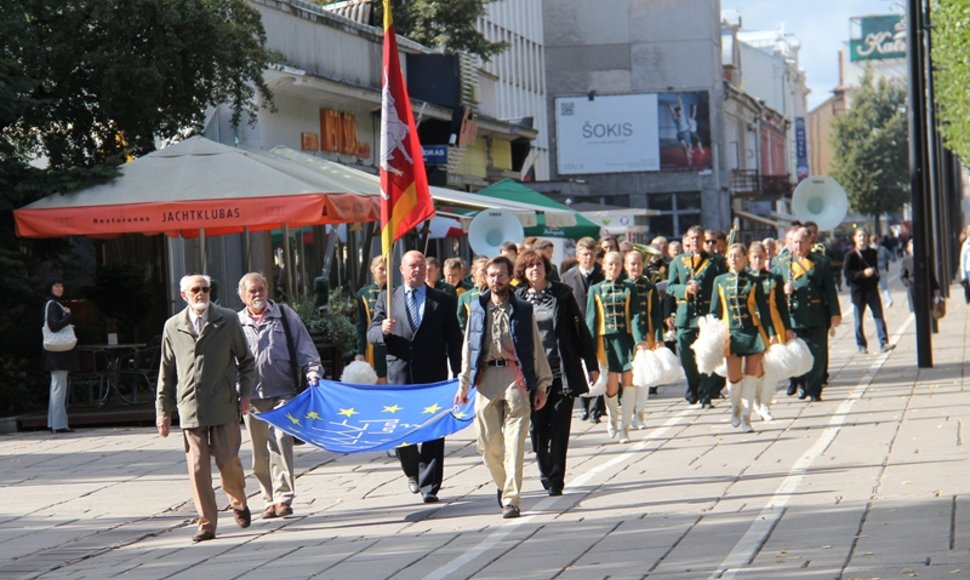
(750, 182)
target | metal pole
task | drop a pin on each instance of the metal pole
(918, 182)
(202, 251)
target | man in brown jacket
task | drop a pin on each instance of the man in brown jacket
(204, 351)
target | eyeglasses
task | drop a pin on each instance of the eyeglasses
(706, 242)
(198, 289)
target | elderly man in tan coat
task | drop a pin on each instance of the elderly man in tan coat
(204, 353)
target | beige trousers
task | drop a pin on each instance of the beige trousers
(220, 442)
(272, 455)
(502, 413)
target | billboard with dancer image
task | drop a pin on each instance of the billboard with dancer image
(684, 124)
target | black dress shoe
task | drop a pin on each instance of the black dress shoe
(510, 511)
(65, 430)
(243, 517)
(583, 415)
(555, 491)
(203, 535)
(792, 388)
(413, 486)
(652, 390)
(431, 498)
(594, 419)
(802, 395)
(815, 398)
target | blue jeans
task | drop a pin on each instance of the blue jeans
(870, 299)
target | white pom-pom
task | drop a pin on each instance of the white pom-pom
(801, 357)
(672, 370)
(721, 369)
(358, 373)
(777, 361)
(599, 387)
(647, 369)
(709, 346)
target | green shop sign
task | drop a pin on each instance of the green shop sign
(882, 37)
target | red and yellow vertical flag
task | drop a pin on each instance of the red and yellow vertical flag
(405, 200)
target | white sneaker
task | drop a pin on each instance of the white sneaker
(735, 419)
(611, 430)
(625, 437)
(746, 427)
(635, 424)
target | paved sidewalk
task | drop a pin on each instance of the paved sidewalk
(869, 483)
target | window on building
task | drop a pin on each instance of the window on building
(678, 212)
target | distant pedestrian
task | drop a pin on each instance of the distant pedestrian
(56, 317)
(964, 270)
(861, 269)
(285, 358)
(204, 357)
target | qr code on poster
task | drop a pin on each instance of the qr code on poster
(567, 109)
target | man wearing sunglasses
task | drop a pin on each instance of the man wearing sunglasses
(204, 353)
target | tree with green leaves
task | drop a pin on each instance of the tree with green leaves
(870, 147)
(449, 24)
(82, 83)
(113, 76)
(951, 73)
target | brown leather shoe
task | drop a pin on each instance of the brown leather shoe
(243, 517)
(269, 512)
(203, 535)
(283, 510)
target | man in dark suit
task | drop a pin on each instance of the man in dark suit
(586, 273)
(422, 340)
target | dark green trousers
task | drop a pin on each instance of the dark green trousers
(817, 339)
(700, 387)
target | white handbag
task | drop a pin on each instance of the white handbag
(60, 341)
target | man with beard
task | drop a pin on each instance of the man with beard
(503, 358)
(204, 354)
(285, 357)
(422, 341)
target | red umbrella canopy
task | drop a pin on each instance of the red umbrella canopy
(193, 185)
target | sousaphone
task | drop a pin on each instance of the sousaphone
(822, 200)
(491, 228)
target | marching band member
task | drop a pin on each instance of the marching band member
(691, 281)
(613, 317)
(465, 300)
(773, 286)
(814, 305)
(651, 314)
(374, 354)
(738, 300)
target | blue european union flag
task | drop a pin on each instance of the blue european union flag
(345, 418)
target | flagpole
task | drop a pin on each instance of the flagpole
(388, 265)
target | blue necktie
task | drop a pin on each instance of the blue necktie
(413, 317)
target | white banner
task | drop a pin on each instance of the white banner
(607, 134)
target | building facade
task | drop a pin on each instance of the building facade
(634, 97)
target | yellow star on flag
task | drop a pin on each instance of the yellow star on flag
(392, 409)
(432, 409)
(349, 412)
(293, 419)
(313, 415)
(459, 415)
